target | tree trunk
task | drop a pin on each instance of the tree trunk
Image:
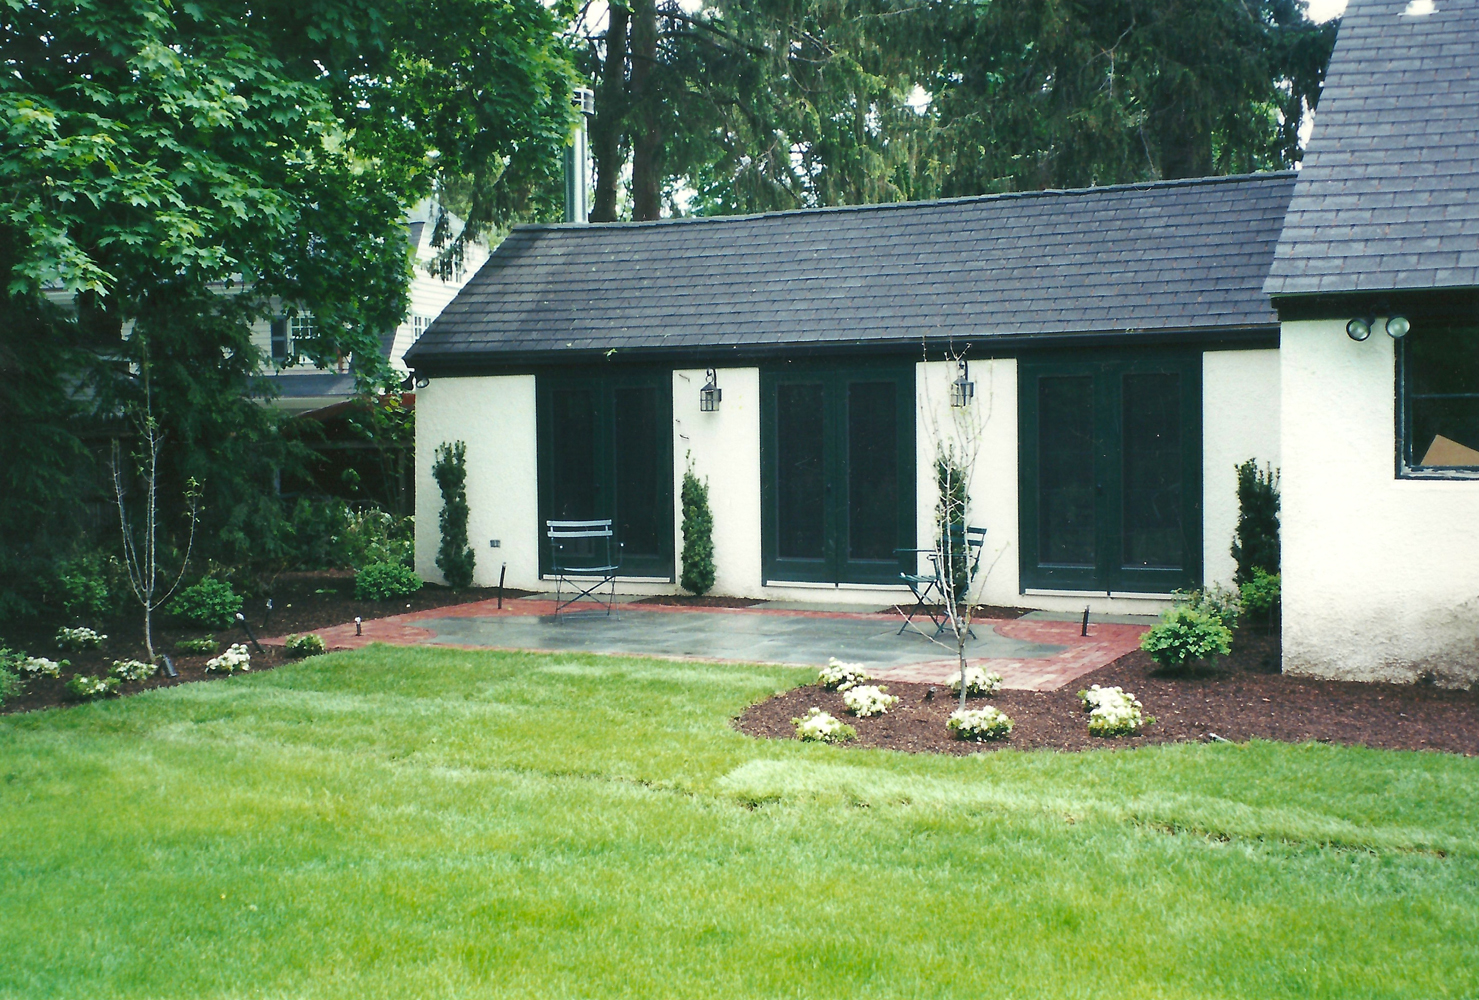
(611, 109)
(646, 105)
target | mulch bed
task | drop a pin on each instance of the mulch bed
(1243, 701)
(302, 602)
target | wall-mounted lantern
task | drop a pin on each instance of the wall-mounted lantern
(962, 390)
(710, 394)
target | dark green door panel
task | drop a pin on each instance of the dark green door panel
(606, 450)
(837, 472)
(1110, 471)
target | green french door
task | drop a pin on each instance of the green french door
(1111, 472)
(837, 472)
(605, 444)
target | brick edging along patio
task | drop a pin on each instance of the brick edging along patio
(1080, 656)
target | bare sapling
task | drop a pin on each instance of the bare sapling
(141, 542)
(957, 430)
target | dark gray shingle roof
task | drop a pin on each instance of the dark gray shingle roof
(1172, 256)
(1389, 195)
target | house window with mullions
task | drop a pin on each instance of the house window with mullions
(287, 331)
(1438, 403)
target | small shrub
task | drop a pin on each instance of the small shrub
(839, 676)
(821, 727)
(10, 680)
(977, 681)
(132, 670)
(80, 586)
(1112, 712)
(305, 645)
(1216, 600)
(1262, 597)
(698, 535)
(39, 666)
(454, 558)
(197, 646)
(374, 536)
(980, 724)
(1256, 542)
(1186, 635)
(209, 604)
(85, 688)
(382, 581)
(235, 658)
(78, 639)
(865, 700)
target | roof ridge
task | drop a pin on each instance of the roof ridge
(1262, 175)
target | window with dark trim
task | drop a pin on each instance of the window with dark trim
(1438, 403)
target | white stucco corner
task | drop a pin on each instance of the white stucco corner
(1380, 574)
(495, 417)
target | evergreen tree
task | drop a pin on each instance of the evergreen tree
(454, 557)
(698, 535)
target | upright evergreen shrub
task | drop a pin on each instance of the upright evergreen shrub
(698, 535)
(950, 521)
(454, 558)
(1256, 544)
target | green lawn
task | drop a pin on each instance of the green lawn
(423, 823)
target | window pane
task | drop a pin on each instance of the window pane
(1153, 535)
(872, 470)
(1065, 443)
(799, 502)
(640, 519)
(572, 465)
(1441, 370)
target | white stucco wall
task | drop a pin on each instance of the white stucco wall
(725, 449)
(495, 417)
(1380, 575)
(1240, 420)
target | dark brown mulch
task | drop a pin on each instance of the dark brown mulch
(690, 601)
(1243, 701)
(301, 602)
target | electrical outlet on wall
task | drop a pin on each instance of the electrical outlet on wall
(494, 543)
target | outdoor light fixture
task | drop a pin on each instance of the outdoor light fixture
(1360, 327)
(962, 390)
(1397, 327)
(710, 394)
(422, 382)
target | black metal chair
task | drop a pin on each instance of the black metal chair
(582, 552)
(969, 540)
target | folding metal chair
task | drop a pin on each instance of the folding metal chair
(582, 551)
(971, 541)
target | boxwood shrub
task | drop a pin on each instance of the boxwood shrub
(383, 581)
(209, 604)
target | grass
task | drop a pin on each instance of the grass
(434, 823)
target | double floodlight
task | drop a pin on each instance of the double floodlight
(1360, 327)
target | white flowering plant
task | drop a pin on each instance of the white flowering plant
(866, 700)
(980, 724)
(839, 676)
(1113, 712)
(305, 645)
(977, 682)
(234, 659)
(39, 666)
(78, 639)
(817, 726)
(85, 688)
(132, 670)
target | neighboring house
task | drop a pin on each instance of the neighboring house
(302, 386)
(1125, 356)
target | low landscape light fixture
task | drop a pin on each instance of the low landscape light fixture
(710, 394)
(962, 390)
(1360, 327)
(1397, 327)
